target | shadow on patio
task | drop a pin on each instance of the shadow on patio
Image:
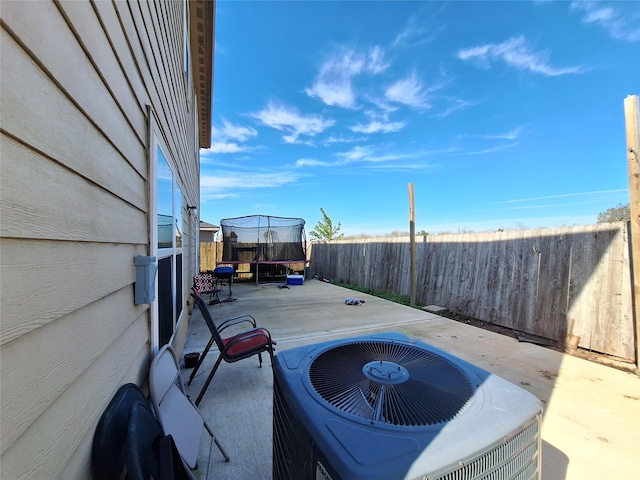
(591, 412)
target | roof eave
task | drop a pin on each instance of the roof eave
(202, 34)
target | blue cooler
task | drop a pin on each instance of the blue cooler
(295, 279)
(223, 272)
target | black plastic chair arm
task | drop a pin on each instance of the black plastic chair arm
(237, 320)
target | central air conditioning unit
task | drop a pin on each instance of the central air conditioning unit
(387, 406)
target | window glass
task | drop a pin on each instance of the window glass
(177, 202)
(178, 286)
(165, 300)
(165, 203)
(170, 243)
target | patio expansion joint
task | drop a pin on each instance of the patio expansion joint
(354, 330)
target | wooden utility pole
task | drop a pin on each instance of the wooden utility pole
(412, 247)
(633, 149)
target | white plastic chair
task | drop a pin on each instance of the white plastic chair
(178, 416)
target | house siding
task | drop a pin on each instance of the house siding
(86, 87)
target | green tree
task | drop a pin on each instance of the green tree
(621, 213)
(324, 229)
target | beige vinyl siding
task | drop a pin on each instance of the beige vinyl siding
(38, 108)
(85, 86)
(60, 58)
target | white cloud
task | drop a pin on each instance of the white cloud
(294, 140)
(371, 155)
(164, 172)
(378, 127)
(224, 183)
(235, 132)
(383, 104)
(456, 105)
(403, 167)
(357, 153)
(510, 135)
(216, 196)
(226, 147)
(290, 120)
(414, 34)
(310, 162)
(491, 150)
(390, 157)
(376, 62)
(333, 83)
(337, 93)
(565, 195)
(225, 139)
(340, 139)
(516, 53)
(619, 24)
(408, 91)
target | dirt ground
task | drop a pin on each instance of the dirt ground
(478, 323)
(614, 362)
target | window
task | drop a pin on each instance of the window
(169, 249)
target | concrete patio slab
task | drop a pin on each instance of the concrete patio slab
(591, 424)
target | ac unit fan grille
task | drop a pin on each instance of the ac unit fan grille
(391, 383)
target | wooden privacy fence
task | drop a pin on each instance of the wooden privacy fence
(210, 252)
(534, 281)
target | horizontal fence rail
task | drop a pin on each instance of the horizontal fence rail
(535, 281)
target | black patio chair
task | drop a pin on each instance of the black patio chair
(150, 453)
(109, 439)
(129, 442)
(233, 348)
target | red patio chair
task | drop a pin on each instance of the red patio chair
(234, 348)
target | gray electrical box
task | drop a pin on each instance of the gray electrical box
(144, 290)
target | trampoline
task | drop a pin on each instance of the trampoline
(263, 241)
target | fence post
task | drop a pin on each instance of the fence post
(412, 248)
(633, 147)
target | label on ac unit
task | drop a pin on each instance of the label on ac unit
(321, 472)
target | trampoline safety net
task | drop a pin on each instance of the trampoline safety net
(262, 238)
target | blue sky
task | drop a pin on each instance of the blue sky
(502, 114)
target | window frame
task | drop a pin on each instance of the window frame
(177, 213)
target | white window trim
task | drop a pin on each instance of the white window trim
(161, 253)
